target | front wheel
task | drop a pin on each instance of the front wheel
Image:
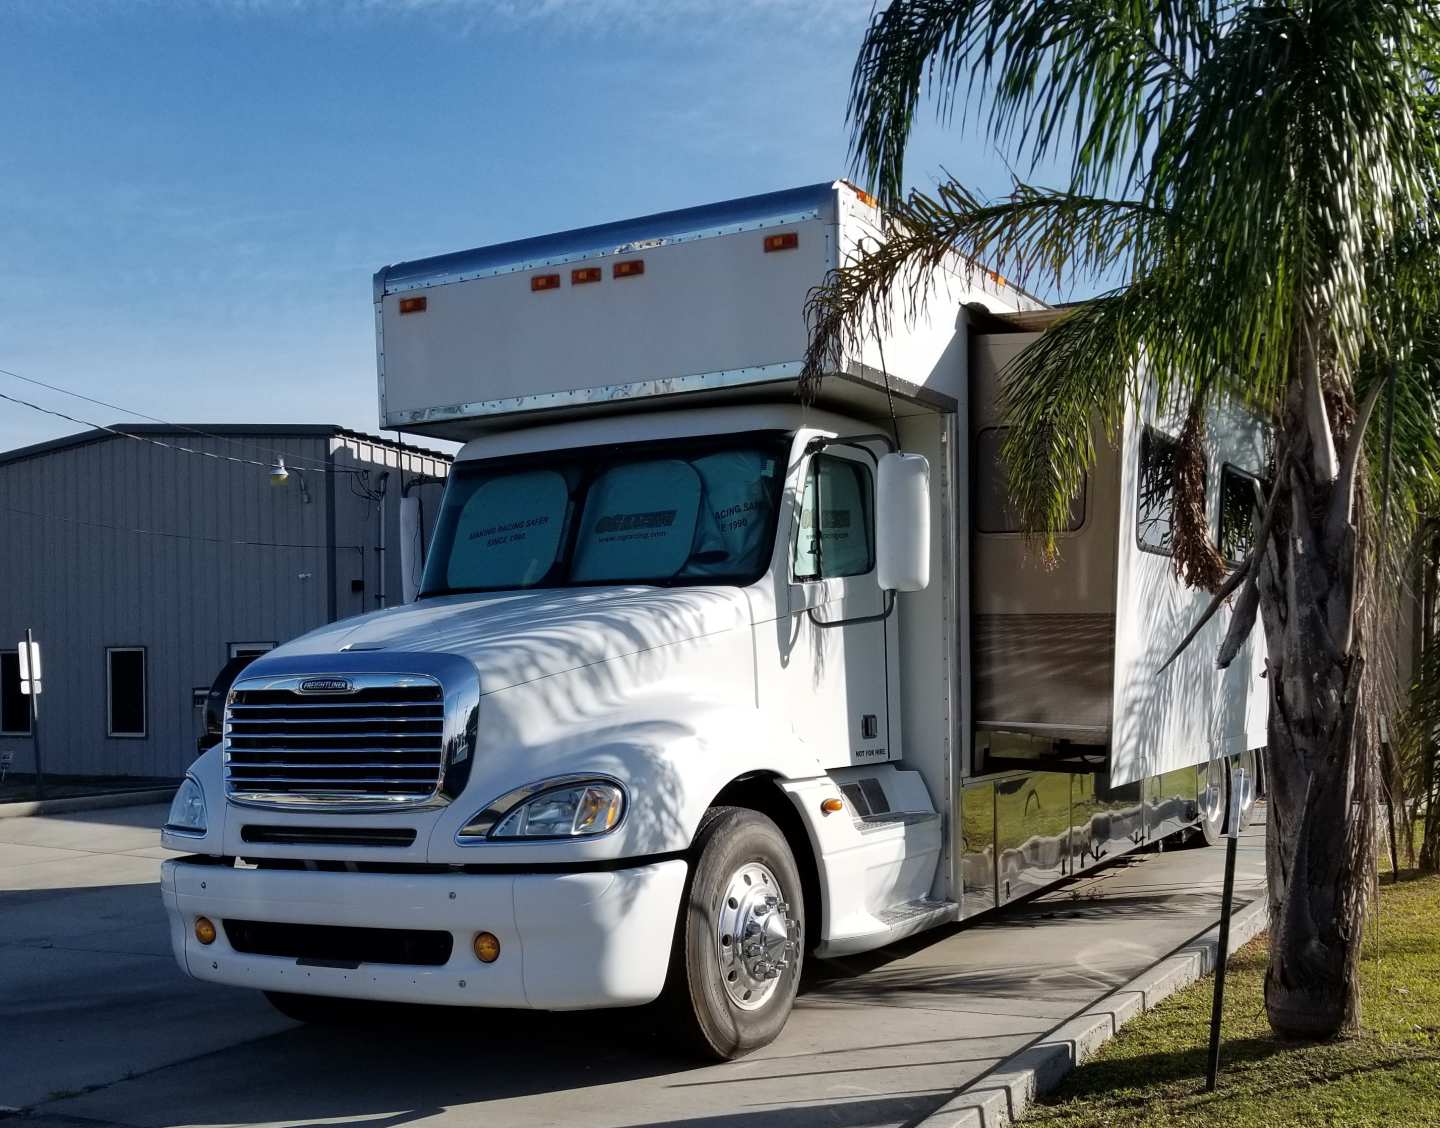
(740, 938)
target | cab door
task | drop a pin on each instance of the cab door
(836, 671)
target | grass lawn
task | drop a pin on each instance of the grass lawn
(1153, 1072)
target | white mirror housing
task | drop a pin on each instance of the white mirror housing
(902, 522)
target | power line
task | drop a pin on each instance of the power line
(319, 464)
(162, 533)
(176, 446)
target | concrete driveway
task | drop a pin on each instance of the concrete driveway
(98, 1027)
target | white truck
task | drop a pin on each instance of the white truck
(702, 679)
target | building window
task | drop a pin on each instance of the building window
(1239, 513)
(125, 690)
(993, 512)
(836, 537)
(1155, 503)
(250, 649)
(14, 705)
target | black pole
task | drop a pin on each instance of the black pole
(1212, 1070)
(34, 715)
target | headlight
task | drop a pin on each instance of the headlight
(552, 810)
(187, 809)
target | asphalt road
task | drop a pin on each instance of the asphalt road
(98, 1027)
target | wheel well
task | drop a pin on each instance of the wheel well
(759, 793)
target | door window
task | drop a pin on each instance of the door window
(836, 535)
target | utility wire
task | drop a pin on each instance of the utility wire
(162, 533)
(176, 446)
(319, 464)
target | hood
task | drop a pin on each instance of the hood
(516, 637)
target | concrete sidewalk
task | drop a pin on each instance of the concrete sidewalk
(94, 1003)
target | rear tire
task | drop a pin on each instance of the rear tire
(740, 939)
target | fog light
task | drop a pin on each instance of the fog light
(204, 930)
(487, 947)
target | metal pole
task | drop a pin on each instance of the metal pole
(35, 720)
(1227, 898)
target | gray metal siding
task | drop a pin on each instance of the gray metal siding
(123, 543)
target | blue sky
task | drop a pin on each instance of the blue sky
(195, 193)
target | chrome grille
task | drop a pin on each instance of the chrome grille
(381, 741)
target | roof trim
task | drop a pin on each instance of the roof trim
(606, 238)
(220, 430)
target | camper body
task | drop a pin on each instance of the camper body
(702, 678)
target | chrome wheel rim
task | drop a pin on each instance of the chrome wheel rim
(757, 936)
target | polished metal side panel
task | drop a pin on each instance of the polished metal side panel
(1171, 802)
(977, 849)
(1032, 831)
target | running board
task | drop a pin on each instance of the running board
(894, 923)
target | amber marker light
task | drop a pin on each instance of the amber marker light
(487, 947)
(629, 268)
(785, 241)
(831, 806)
(586, 274)
(204, 930)
(544, 282)
(414, 305)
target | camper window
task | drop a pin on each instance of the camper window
(1154, 515)
(836, 536)
(1238, 512)
(993, 512)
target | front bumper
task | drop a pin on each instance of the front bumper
(568, 940)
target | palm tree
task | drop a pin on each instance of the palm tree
(1261, 175)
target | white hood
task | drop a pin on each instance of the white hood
(516, 637)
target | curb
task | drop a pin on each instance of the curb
(86, 802)
(1001, 1097)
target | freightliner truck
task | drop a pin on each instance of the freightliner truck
(704, 680)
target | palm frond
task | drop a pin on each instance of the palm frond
(1099, 73)
(1033, 231)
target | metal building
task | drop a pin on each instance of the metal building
(143, 568)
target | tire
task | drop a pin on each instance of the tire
(323, 1010)
(1211, 831)
(1214, 799)
(728, 995)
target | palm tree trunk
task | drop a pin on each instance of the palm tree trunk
(1321, 804)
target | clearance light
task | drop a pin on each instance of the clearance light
(544, 282)
(831, 806)
(629, 268)
(413, 305)
(866, 198)
(204, 930)
(586, 274)
(487, 947)
(785, 241)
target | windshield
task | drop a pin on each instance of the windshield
(676, 512)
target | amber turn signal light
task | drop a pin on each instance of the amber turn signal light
(831, 806)
(204, 930)
(487, 947)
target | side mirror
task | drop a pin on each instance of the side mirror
(902, 523)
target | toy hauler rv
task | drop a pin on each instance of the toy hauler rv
(703, 679)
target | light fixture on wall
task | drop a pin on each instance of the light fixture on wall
(280, 474)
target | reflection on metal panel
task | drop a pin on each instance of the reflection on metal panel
(1170, 802)
(1032, 832)
(977, 849)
